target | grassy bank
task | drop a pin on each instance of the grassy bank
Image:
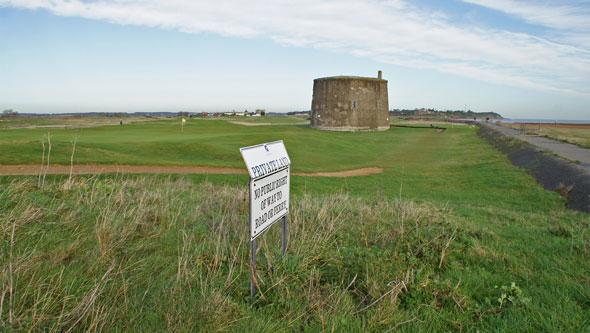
(449, 237)
(170, 253)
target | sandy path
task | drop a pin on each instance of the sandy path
(245, 123)
(54, 169)
(348, 173)
(566, 150)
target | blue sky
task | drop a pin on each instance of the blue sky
(523, 59)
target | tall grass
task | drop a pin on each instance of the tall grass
(162, 254)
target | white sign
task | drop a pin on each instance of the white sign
(269, 168)
(265, 158)
(269, 201)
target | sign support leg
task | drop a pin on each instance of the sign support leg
(253, 269)
(284, 234)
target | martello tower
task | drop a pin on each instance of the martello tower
(350, 103)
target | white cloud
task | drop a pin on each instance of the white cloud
(390, 31)
(567, 15)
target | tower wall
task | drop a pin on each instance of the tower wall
(345, 103)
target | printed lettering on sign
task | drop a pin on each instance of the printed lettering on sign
(269, 201)
(269, 168)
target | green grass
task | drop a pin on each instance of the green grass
(437, 234)
(433, 166)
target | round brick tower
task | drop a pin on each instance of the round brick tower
(350, 103)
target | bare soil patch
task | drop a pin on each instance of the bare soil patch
(245, 123)
(54, 169)
(348, 173)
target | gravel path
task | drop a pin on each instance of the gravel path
(566, 150)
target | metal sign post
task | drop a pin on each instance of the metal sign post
(269, 168)
(284, 240)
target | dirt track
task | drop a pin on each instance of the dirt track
(31, 169)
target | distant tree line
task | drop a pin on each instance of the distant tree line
(9, 113)
(294, 113)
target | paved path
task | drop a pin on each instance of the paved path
(567, 150)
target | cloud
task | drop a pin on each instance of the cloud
(393, 32)
(566, 15)
(568, 19)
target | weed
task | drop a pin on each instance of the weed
(561, 231)
(563, 190)
(512, 295)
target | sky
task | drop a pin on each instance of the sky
(522, 59)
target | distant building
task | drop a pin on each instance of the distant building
(423, 112)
